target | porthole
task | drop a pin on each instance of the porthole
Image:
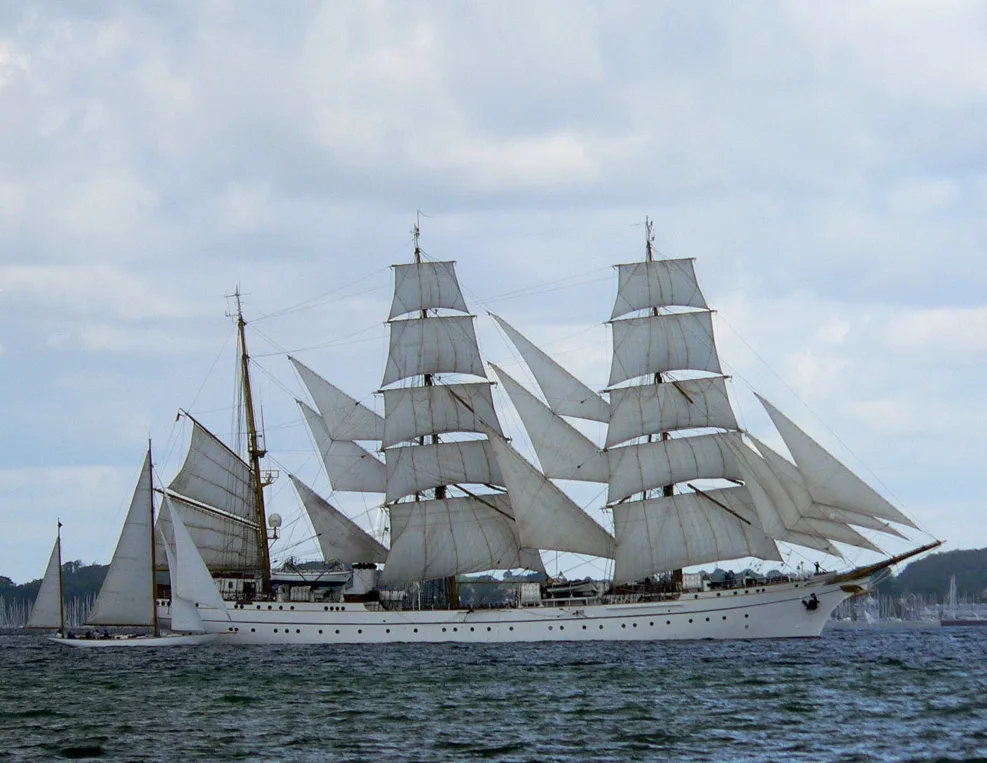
(337, 631)
(668, 622)
(387, 631)
(796, 585)
(489, 629)
(550, 627)
(269, 606)
(416, 630)
(561, 627)
(253, 630)
(443, 630)
(584, 627)
(280, 606)
(707, 619)
(652, 624)
(320, 633)
(343, 609)
(455, 630)
(633, 625)
(623, 625)
(746, 615)
(511, 628)
(472, 629)
(326, 609)
(724, 617)
(237, 630)
(601, 626)
(359, 630)
(734, 593)
(690, 619)
(695, 596)
(292, 607)
(718, 593)
(230, 629)
(275, 630)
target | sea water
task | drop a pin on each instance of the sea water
(861, 695)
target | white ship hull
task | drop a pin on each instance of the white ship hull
(774, 611)
(178, 639)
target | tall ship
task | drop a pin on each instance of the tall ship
(685, 487)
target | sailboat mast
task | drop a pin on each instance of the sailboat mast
(150, 508)
(253, 448)
(440, 491)
(649, 239)
(61, 595)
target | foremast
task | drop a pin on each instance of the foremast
(254, 450)
(150, 508)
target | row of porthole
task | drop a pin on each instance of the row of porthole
(292, 607)
(472, 629)
(746, 591)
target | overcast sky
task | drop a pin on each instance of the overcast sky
(824, 162)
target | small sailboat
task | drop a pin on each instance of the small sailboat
(49, 608)
(128, 598)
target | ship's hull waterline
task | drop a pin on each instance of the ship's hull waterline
(788, 610)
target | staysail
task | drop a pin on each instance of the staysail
(48, 610)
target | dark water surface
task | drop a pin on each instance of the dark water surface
(893, 694)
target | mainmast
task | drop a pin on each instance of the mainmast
(649, 240)
(150, 500)
(253, 447)
(440, 492)
(61, 591)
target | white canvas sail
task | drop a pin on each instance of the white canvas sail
(414, 412)
(650, 408)
(658, 283)
(47, 611)
(649, 465)
(216, 476)
(348, 466)
(224, 543)
(127, 594)
(426, 286)
(829, 481)
(194, 582)
(563, 451)
(677, 531)
(452, 536)
(565, 394)
(340, 538)
(438, 345)
(660, 343)
(184, 614)
(345, 418)
(546, 517)
(416, 468)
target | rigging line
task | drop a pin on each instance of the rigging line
(313, 301)
(212, 368)
(324, 345)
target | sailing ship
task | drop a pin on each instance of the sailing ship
(686, 486)
(128, 596)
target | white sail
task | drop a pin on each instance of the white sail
(127, 594)
(829, 481)
(451, 536)
(649, 465)
(432, 346)
(546, 517)
(194, 582)
(415, 468)
(563, 451)
(426, 286)
(340, 538)
(650, 408)
(345, 418)
(661, 283)
(677, 531)
(566, 395)
(224, 543)
(791, 479)
(348, 466)
(660, 343)
(414, 412)
(216, 476)
(184, 614)
(47, 610)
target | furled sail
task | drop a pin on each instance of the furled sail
(656, 283)
(688, 404)
(426, 286)
(546, 517)
(224, 542)
(452, 536)
(47, 611)
(414, 469)
(566, 395)
(216, 476)
(127, 594)
(659, 343)
(563, 451)
(340, 538)
(348, 466)
(345, 418)
(649, 465)
(436, 345)
(413, 412)
(830, 482)
(671, 532)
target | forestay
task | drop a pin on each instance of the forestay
(658, 283)
(127, 594)
(345, 418)
(431, 346)
(426, 286)
(677, 531)
(348, 466)
(414, 412)
(340, 538)
(216, 476)
(563, 451)
(565, 394)
(413, 469)
(660, 343)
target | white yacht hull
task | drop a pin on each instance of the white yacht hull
(773, 611)
(178, 639)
